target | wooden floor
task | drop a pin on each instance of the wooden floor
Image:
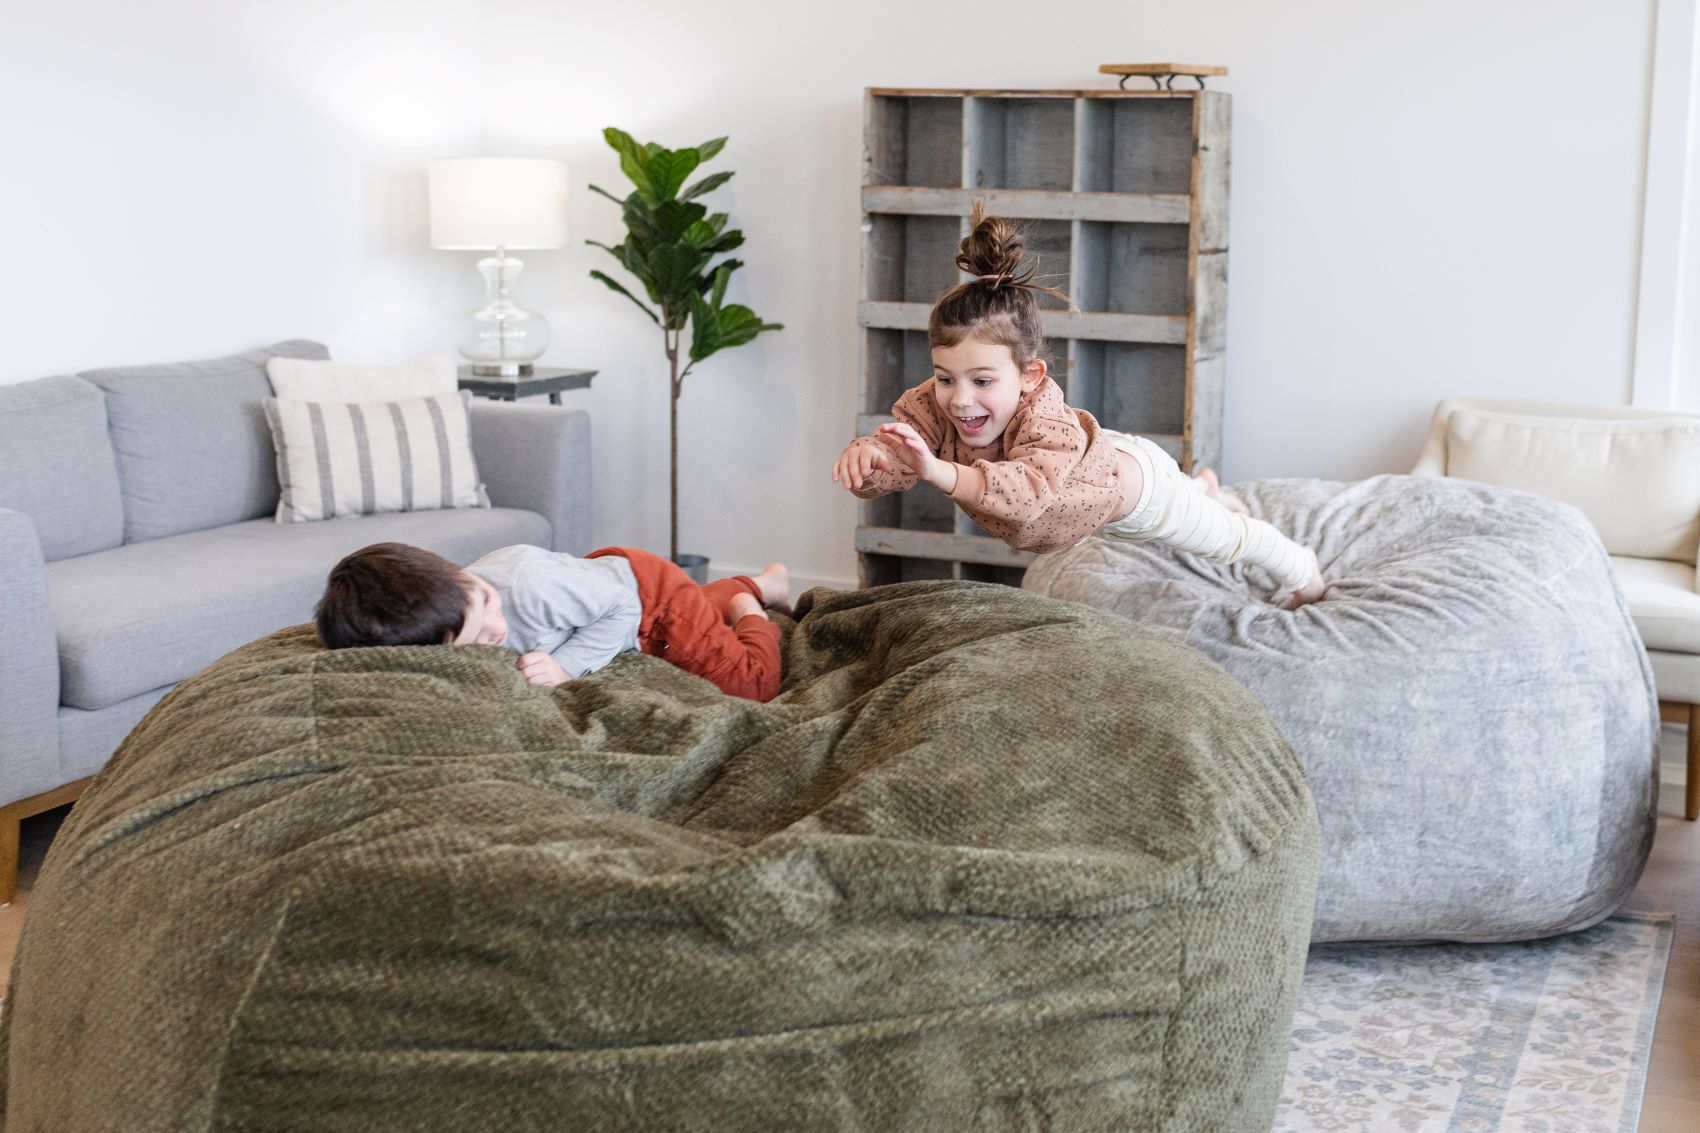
(1671, 884)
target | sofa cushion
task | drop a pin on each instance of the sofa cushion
(361, 457)
(193, 448)
(1662, 601)
(149, 614)
(1637, 481)
(302, 379)
(56, 465)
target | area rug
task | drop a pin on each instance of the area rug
(1548, 1036)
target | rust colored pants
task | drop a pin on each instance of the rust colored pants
(688, 625)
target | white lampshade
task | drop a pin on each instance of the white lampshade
(498, 202)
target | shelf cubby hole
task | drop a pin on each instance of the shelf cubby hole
(883, 511)
(916, 141)
(882, 570)
(912, 259)
(1137, 145)
(896, 360)
(1050, 249)
(1136, 269)
(1133, 387)
(985, 572)
(1021, 143)
(925, 508)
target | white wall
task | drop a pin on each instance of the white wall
(1428, 200)
(183, 179)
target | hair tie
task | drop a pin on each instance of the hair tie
(992, 277)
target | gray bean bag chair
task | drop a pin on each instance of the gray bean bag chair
(990, 862)
(1471, 702)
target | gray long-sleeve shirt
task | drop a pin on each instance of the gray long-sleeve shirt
(579, 611)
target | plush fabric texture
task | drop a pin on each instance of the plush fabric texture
(57, 465)
(192, 444)
(989, 862)
(190, 599)
(360, 458)
(1638, 482)
(1471, 701)
(300, 379)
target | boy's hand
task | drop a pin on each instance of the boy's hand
(911, 450)
(541, 669)
(856, 462)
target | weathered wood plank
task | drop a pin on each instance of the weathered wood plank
(1159, 69)
(1163, 329)
(1110, 93)
(1030, 204)
(939, 545)
(1211, 170)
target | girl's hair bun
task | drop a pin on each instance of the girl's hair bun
(994, 248)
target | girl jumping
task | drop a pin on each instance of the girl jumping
(991, 430)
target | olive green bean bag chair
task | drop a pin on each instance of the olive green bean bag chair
(990, 862)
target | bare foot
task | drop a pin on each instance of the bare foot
(1213, 488)
(1311, 591)
(743, 605)
(774, 582)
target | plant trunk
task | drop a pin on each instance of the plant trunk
(673, 434)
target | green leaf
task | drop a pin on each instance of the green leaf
(717, 295)
(653, 317)
(707, 185)
(710, 148)
(668, 170)
(674, 269)
(705, 329)
(634, 160)
(606, 193)
(666, 223)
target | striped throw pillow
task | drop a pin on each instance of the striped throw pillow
(361, 457)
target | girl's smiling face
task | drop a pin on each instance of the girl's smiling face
(979, 387)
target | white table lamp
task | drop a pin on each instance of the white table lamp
(499, 203)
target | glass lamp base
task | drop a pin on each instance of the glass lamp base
(502, 338)
(501, 369)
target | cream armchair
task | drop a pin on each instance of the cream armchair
(1635, 474)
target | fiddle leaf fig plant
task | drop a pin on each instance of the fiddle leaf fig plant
(670, 249)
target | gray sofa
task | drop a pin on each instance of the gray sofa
(137, 546)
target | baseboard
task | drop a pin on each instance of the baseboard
(799, 582)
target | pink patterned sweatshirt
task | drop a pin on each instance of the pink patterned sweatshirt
(1051, 480)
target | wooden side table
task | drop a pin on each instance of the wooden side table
(541, 380)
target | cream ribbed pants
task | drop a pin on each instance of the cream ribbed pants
(1174, 510)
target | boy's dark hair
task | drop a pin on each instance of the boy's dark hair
(997, 305)
(392, 594)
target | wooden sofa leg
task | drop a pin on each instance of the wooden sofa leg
(8, 855)
(13, 813)
(1691, 790)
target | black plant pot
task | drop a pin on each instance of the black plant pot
(694, 566)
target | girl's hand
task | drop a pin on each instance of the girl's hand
(541, 669)
(911, 450)
(856, 462)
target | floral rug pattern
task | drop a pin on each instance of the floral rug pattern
(1546, 1036)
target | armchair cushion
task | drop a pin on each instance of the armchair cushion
(1637, 481)
(1662, 601)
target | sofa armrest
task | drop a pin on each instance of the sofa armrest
(29, 665)
(537, 457)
